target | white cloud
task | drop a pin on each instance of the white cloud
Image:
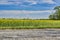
(49, 1)
(23, 11)
(25, 14)
(32, 2)
(41, 1)
(5, 2)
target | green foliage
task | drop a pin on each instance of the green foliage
(56, 15)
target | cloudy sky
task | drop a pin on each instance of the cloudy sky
(27, 8)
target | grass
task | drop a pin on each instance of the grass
(28, 24)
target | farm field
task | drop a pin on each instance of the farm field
(28, 24)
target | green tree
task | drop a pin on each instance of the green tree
(56, 15)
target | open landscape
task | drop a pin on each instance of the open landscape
(29, 19)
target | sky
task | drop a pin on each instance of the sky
(34, 9)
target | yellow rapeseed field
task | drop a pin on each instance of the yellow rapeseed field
(28, 24)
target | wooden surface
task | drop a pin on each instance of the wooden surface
(31, 34)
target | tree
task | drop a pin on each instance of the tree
(51, 17)
(56, 15)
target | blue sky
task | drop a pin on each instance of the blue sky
(27, 8)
